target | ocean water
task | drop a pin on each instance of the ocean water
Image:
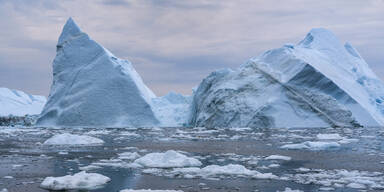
(354, 161)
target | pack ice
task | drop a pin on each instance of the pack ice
(18, 103)
(317, 82)
(92, 87)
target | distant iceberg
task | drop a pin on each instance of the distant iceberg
(18, 103)
(317, 83)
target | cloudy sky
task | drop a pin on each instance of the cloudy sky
(174, 44)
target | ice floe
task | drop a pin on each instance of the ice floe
(71, 139)
(167, 159)
(278, 157)
(81, 180)
(312, 145)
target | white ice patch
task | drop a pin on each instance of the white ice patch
(278, 157)
(312, 145)
(81, 181)
(168, 159)
(70, 139)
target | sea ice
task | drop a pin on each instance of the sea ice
(312, 145)
(80, 181)
(167, 159)
(278, 157)
(70, 139)
(217, 170)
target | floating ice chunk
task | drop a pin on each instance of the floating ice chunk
(8, 177)
(70, 139)
(346, 141)
(312, 145)
(4, 190)
(129, 155)
(168, 159)
(89, 167)
(278, 157)
(148, 190)
(334, 136)
(81, 180)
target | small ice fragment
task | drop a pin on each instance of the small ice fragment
(81, 181)
(71, 139)
(278, 157)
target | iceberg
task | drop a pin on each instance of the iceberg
(18, 103)
(318, 82)
(91, 87)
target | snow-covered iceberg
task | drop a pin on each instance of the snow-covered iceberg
(318, 82)
(18, 103)
(92, 87)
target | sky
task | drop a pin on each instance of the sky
(175, 44)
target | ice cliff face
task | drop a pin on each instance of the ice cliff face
(18, 103)
(92, 87)
(172, 109)
(318, 82)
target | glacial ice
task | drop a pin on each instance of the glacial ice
(18, 103)
(317, 83)
(92, 87)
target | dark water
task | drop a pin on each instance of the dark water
(23, 157)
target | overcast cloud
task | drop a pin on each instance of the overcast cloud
(174, 44)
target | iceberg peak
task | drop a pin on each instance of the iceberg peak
(320, 38)
(70, 29)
